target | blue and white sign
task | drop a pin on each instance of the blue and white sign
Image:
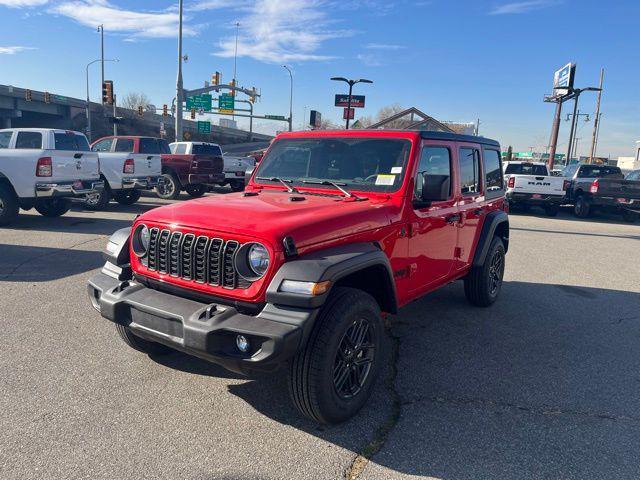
(563, 80)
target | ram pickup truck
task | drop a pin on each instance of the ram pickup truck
(42, 168)
(530, 184)
(128, 165)
(235, 170)
(335, 230)
(190, 166)
(602, 187)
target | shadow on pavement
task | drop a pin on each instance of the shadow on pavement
(544, 384)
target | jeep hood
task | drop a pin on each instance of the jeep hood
(271, 215)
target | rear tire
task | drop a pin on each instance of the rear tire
(9, 207)
(332, 376)
(196, 191)
(236, 186)
(99, 201)
(552, 210)
(53, 207)
(127, 197)
(140, 344)
(581, 207)
(170, 189)
(482, 284)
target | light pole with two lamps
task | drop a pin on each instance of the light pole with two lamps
(351, 83)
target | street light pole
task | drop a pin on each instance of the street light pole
(101, 30)
(88, 112)
(596, 122)
(179, 90)
(290, 98)
(351, 83)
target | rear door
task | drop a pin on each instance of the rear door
(71, 157)
(147, 160)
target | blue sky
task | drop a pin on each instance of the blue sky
(455, 60)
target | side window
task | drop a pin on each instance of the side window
(5, 138)
(149, 145)
(29, 140)
(164, 146)
(124, 145)
(492, 171)
(469, 171)
(103, 145)
(434, 172)
(180, 149)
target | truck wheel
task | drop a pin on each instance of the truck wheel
(236, 186)
(98, 201)
(483, 283)
(332, 376)
(53, 207)
(629, 216)
(170, 189)
(9, 207)
(196, 190)
(552, 210)
(581, 208)
(140, 344)
(127, 197)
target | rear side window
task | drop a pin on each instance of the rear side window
(632, 176)
(149, 145)
(207, 150)
(435, 162)
(492, 171)
(29, 140)
(526, 169)
(597, 171)
(72, 142)
(103, 145)
(469, 171)
(5, 138)
(164, 146)
(124, 145)
(180, 149)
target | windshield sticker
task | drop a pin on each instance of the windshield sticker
(396, 170)
(385, 179)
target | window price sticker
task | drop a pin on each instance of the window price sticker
(385, 179)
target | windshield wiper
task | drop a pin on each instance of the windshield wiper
(289, 188)
(339, 186)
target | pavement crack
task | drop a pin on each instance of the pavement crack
(539, 410)
(381, 434)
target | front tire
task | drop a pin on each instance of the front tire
(140, 344)
(483, 283)
(127, 197)
(196, 191)
(333, 375)
(170, 189)
(53, 207)
(582, 208)
(9, 207)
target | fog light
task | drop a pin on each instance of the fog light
(242, 343)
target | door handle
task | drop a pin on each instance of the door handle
(77, 155)
(149, 157)
(452, 218)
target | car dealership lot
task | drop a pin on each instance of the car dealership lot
(544, 384)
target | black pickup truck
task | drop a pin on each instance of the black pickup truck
(601, 187)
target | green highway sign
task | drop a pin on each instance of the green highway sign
(226, 103)
(199, 102)
(275, 117)
(204, 127)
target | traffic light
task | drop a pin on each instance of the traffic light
(165, 110)
(47, 97)
(232, 83)
(107, 92)
(215, 78)
(193, 114)
(140, 110)
(27, 95)
(252, 99)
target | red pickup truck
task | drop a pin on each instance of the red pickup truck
(334, 231)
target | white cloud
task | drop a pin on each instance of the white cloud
(214, 4)
(276, 31)
(521, 7)
(22, 3)
(137, 24)
(383, 46)
(13, 50)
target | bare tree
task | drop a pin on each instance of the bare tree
(133, 100)
(383, 113)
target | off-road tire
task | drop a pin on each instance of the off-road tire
(53, 207)
(581, 207)
(9, 207)
(127, 197)
(102, 200)
(236, 185)
(171, 188)
(479, 287)
(140, 344)
(196, 190)
(630, 217)
(551, 210)
(311, 377)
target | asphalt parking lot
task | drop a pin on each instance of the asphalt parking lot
(545, 384)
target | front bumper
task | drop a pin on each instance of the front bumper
(204, 330)
(205, 178)
(142, 183)
(69, 189)
(534, 199)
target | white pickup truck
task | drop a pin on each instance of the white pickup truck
(128, 165)
(531, 183)
(41, 168)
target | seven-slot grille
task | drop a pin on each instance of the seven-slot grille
(196, 258)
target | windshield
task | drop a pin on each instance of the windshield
(365, 164)
(598, 171)
(198, 149)
(526, 169)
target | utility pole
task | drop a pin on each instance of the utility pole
(290, 98)
(573, 125)
(235, 63)
(596, 122)
(553, 142)
(115, 119)
(477, 126)
(179, 90)
(101, 30)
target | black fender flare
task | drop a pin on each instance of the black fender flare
(494, 221)
(330, 264)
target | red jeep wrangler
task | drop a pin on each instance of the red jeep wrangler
(335, 230)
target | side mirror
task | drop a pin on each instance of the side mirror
(435, 188)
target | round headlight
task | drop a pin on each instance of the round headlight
(252, 261)
(140, 240)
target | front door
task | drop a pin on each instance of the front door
(433, 227)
